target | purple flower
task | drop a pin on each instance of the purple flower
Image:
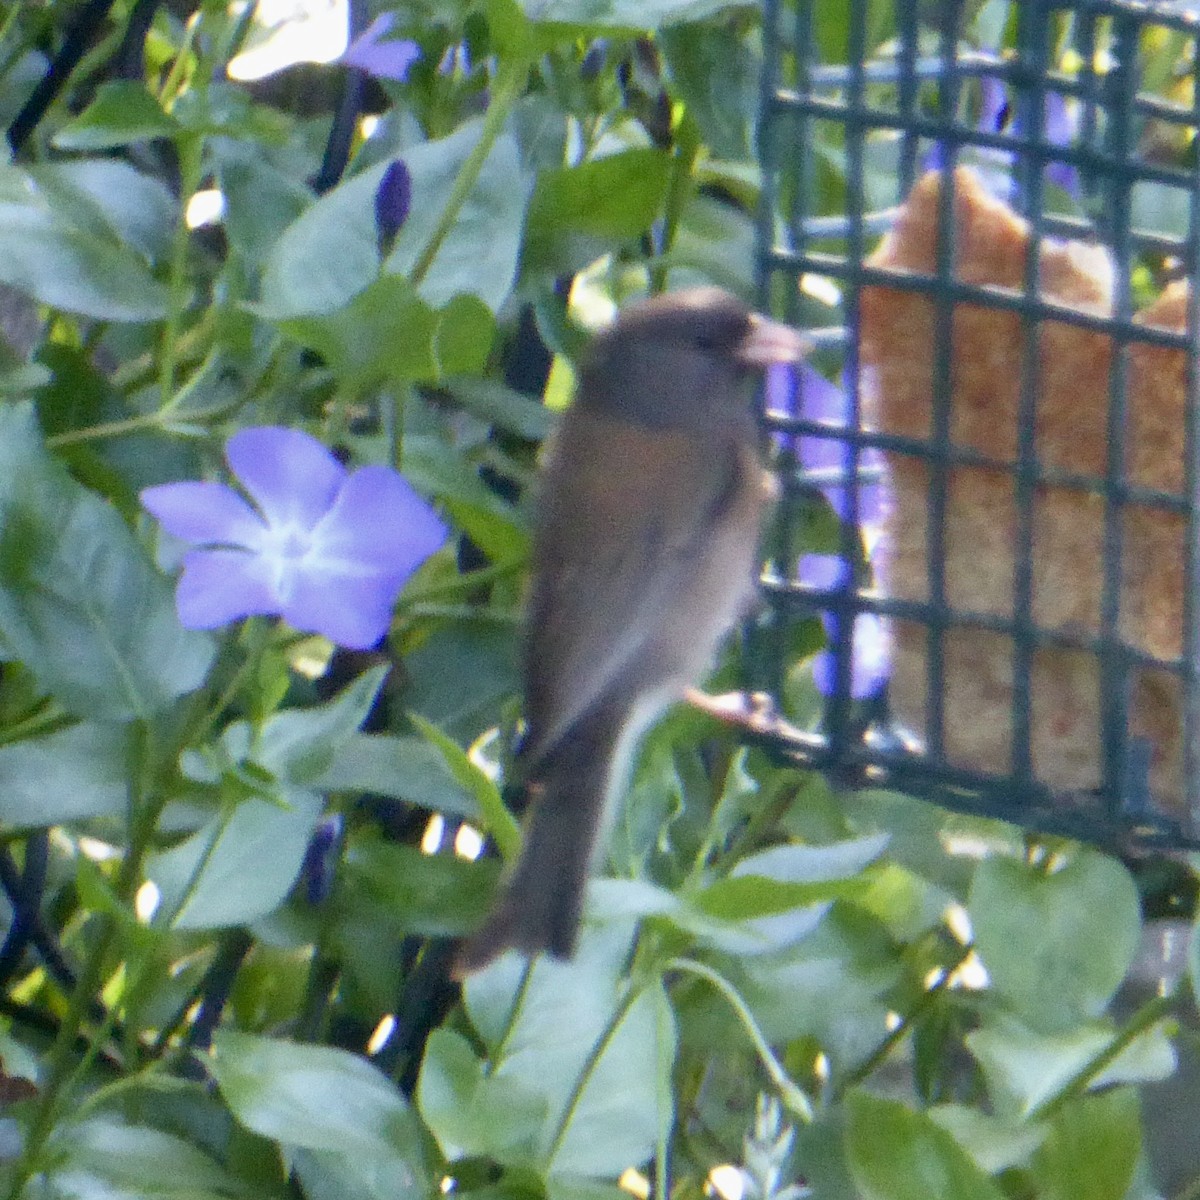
(594, 59)
(1060, 128)
(801, 390)
(320, 859)
(456, 58)
(378, 54)
(325, 548)
(393, 199)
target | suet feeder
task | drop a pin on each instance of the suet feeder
(988, 216)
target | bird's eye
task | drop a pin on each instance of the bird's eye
(706, 343)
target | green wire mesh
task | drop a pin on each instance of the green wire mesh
(859, 102)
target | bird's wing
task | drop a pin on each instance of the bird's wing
(626, 513)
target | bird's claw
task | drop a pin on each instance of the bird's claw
(755, 712)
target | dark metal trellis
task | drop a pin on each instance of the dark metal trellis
(905, 86)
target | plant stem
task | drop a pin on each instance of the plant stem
(169, 92)
(928, 999)
(585, 1074)
(510, 83)
(679, 185)
(793, 1096)
(144, 809)
(190, 148)
(1149, 1014)
(61, 1052)
(107, 430)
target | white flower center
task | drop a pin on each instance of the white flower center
(284, 550)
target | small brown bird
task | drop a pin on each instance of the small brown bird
(647, 540)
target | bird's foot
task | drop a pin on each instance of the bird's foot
(755, 712)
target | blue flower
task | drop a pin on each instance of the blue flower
(801, 390)
(326, 549)
(1059, 128)
(378, 54)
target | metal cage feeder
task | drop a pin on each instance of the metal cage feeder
(994, 233)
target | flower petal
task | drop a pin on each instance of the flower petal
(822, 570)
(220, 586)
(352, 609)
(203, 512)
(292, 477)
(993, 105)
(1062, 121)
(870, 657)
(377, 54)
(379, 523)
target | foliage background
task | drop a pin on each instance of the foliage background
(939, 1006)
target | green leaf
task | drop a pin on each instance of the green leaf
(751, 896)
(622, 14)
(613, 899)
(75, 270)
(111, 199)
(401, 768)
(472, 1112)
(994, 1144)
(606, 200)
(463, 340)
(71, 775)
(384, 333)
(462, 675)
(239, 866)
(622, 1104)
(298, 744)
(569, 1187)
(80, 603)
(1149, 1058)
(501, 407)
(330, 254)
(496, 819)
(777, 895)
(898, 1154)
(137, 1159)
(320, 1099)
(799, 864)
(489, 520)
(479, 255)
(717, 239)
(327, 255)
(1092, 1148)
(261, 201)
(221, 109)
(1087, 923)
(600, 1083)
(387, 1174)
(716, 76)
(431, 895)
(832, 987)
(1029, 1068)
(122, 112)
(616, 198)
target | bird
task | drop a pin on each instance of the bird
(645, 549)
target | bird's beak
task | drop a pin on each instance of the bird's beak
(771, 342)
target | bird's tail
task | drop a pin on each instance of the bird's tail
(541, 906)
